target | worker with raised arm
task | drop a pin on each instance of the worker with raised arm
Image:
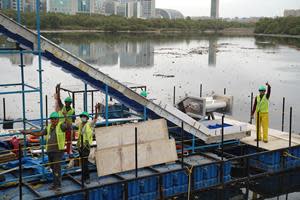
(60, 108)
(85, 132)
(261, 108)
(55, 146)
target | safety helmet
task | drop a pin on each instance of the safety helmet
(84, 114)
(262, 88)
(68, 100)
(54, 115)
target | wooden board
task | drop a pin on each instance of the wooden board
(277, 139)
(118, 159)
(114, 136)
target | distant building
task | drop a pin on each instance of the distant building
(121, 9)
(133, 9)
(62, 6)
(5, 4)
(295, 13)
(86, 6)
(168, 14)
(109, 7)
(214, 13)
(148, 8)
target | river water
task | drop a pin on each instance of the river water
(239, 64)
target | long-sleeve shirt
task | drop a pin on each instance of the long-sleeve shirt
(255, 101)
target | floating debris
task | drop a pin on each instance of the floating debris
(164, 76)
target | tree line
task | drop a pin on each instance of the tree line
(113, 23)
(280, 25)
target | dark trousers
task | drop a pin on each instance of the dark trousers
(85, 162)
(54, 159)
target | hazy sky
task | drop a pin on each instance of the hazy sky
(231, 8)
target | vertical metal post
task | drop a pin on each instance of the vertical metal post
(258, 129)
(193, 144)
(174, 95)
(106, 105)
(224, 91)
(136, 152)
(81, 161)
(283, 110)
(4, 110)
(46, 102)
(92, 102)
(18, 12)
(222, 137)
(85, 98)
(201, 90)
(23, 97)
(40, 70)
(251, 106)
(145, 113)
(182, 146)
(290, 128)
(73, 98)
(20, 172)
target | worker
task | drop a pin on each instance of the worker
(85, 132)
(60, 108)
(261, 107)
(55, 146)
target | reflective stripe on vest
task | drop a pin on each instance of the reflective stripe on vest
(87, 135)
(60, 136)
(69, 114)
(262, 104)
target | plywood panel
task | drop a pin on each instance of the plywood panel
(118, 159)
(114, 136)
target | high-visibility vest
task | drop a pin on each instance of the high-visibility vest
(60, 136)
(87, 135)
(69, 115)
(262, 104)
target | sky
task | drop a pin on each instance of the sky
(231, 8)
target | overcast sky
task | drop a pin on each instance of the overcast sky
(231, 8)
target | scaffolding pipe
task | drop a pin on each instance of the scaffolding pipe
(4, 110)
(20, 172)
(136, 152)
(40, 70)
(290, 128)
(200, 90)
(257, 130)
(23, 96)
(283, 110)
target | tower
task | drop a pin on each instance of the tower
(214, 13)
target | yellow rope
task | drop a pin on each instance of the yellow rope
(286, 154)
(189, 173)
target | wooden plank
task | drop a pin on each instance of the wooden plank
(118, 159)
(114, 136)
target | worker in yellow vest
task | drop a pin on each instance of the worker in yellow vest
(85, 132)
(261, 107)
(55, 146)
(70, 117)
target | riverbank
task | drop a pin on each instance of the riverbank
(228, 31)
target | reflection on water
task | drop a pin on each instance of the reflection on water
(212, 51)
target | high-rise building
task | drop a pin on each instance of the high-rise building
(86, 6)
(5, 4)
(148, 8)
(62, 6)
(133, 9)
(109, 7)
(214, 13)
(295, 13)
